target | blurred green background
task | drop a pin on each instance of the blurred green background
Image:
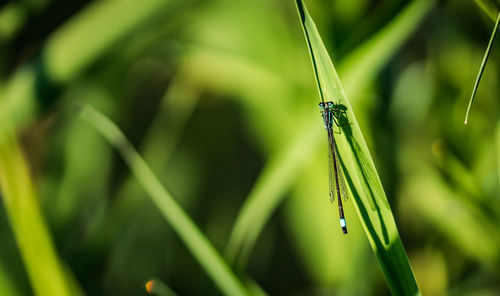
(213, 94)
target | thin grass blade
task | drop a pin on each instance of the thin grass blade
(196, 242)
(481, 68)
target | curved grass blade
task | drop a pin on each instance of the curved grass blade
(46, 273)
(481, 68)
(360, 172)
(284, 166)
(195, 241)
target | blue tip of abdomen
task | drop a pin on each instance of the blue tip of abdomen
(343, 225)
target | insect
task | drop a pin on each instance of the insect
(331, 114)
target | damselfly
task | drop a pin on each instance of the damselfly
(331, 113)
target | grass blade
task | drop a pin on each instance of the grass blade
(195, 241)
(46, 273)
(285, 165)
(268, 192)
(488, 7)
(176, 108)
(481, 68)
(365, 185)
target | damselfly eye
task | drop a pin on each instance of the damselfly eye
(322, 105)
(330, 104)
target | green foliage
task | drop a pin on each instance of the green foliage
(68, 53)
(219, 100)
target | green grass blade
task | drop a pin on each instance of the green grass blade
(195, 241)
(481, 68)
(362, 178)
(46, 273)
(488, 7)
(285, 165)
(176, 108)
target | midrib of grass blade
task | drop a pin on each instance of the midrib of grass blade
(481, 68)
(190, 234)
(284, 165)
(362, 178)
(46, 273)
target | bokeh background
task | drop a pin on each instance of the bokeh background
(212, 94)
